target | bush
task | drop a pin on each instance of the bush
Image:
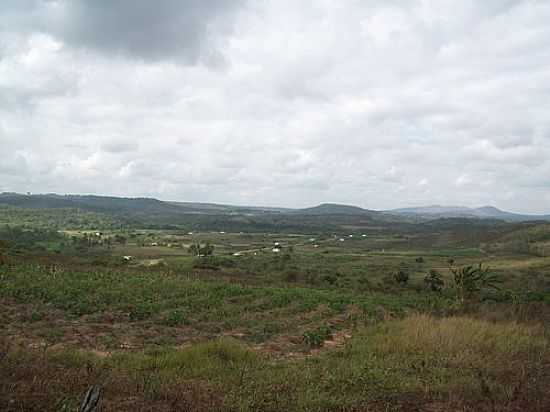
(36, 316)
(175, 318)
(330, 279)
(199, 250)
(315, 338)
(434, 281)
(401, 277)
(140, 312)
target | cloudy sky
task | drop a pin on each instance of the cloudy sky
(377, 103)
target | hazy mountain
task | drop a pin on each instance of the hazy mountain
(221, 208)
(87, 202)
(157, 212)
(149, 205)
(485, 212)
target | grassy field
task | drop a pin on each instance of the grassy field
(418, 363)
(323, 324)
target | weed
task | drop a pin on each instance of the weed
(175, 318)
(317, 337)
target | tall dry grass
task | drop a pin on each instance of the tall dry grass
(465, 339)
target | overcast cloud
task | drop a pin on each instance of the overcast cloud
(376, 103)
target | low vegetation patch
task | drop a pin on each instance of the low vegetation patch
(455, 363)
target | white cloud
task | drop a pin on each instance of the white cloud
(280, 102)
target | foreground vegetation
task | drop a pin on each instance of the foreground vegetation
(418, 363)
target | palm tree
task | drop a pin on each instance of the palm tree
(471, 279)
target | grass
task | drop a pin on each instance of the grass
(163, 301)
(455, 363)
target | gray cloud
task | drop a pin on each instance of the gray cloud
(180, 30)
(376, 103)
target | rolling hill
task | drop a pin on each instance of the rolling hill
(326, 217)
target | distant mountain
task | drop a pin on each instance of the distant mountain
(150, 205)
(221, 208)
(334, 209)
(154, 213)
(485, 212)
(87, 202)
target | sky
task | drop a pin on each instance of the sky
(375, 103)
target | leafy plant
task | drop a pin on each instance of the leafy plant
(199, 250)
(36, 316)
(434, 281)
(401, 276)
(470, 279)
(175, 318)
(315, 338)
(140, 311)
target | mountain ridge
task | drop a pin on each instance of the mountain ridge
(144, 206)
(483, 212)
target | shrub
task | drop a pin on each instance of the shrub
(401, 276)
(175, 318)
(36, 316)
(199, 250)
(434, 281)
(330, 279)
(315, 338)
(140, 312)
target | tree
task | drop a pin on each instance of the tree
(470, 279)
(207, 250)
(195, 249)
(434, 281)
(198, 250)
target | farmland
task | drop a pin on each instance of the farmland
(343, 318)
